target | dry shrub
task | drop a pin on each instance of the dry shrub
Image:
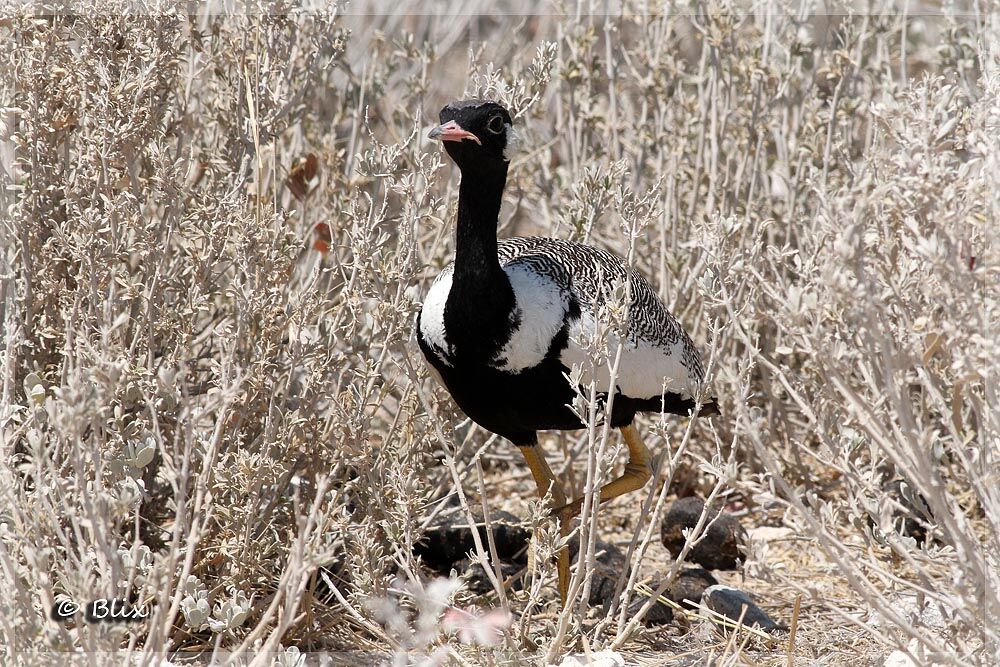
(217, 230)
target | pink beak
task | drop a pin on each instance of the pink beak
(452, 131)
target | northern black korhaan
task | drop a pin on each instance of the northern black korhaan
(505, 323)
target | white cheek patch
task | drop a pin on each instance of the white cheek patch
(513, 145)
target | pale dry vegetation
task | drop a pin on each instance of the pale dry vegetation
(210, 386)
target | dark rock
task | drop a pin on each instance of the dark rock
(689, 585)
(721, 549)
(730, 603)
(610, 563)
(658, 614)
(476, 579)
(686, 590)
(450, 540)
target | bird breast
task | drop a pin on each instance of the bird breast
(544, 308)
(432, 327)
(539, 313)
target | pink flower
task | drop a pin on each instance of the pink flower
(485, 629)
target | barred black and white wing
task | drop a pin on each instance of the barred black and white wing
(562, 286)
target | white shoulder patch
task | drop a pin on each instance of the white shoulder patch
(541, 306)
(646, 369)
(432, 315)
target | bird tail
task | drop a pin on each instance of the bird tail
(710, 407)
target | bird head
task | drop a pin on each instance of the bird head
(476, 132)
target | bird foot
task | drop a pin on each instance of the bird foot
(565, 513)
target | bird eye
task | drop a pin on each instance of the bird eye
(495, 125)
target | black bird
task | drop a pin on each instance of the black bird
(504, 324)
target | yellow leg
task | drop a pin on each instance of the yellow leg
(637, 473)
(546, 482)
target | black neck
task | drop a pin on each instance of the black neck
(477, 315)
(479, 196)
